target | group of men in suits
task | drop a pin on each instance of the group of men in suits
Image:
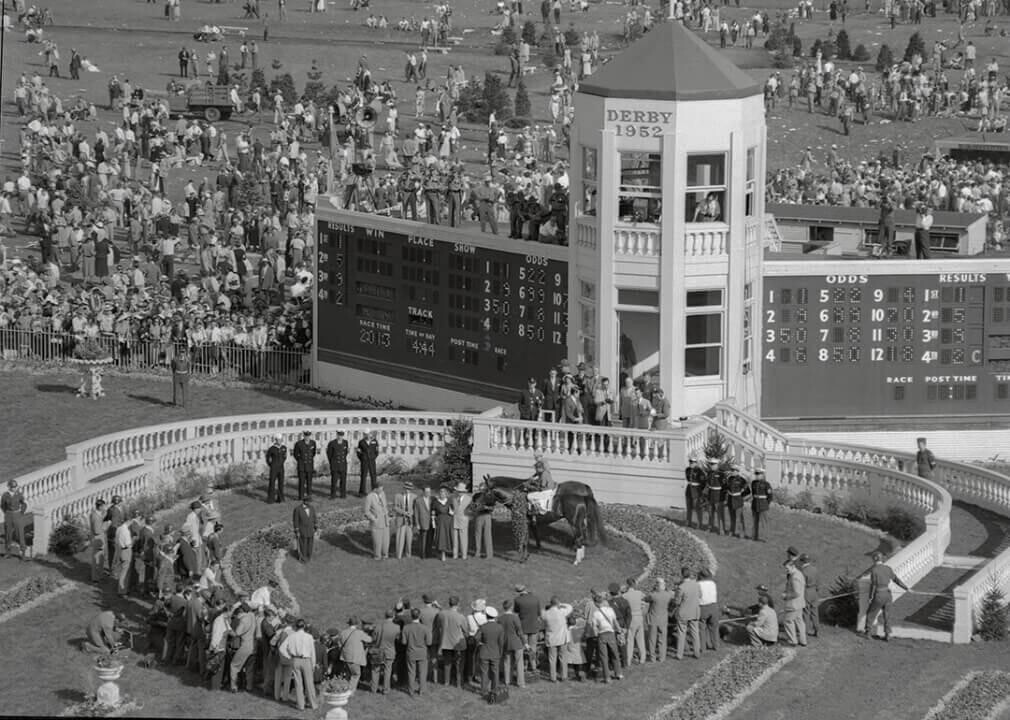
(722, 489)
(304, 453)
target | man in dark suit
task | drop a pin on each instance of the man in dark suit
(694, 490)
(530, 401)
(180, 377)
(716, 497)
(336, 455)
(14, 508)
(304, 521)
(515, 641)
(115, 517)
(490, 648)
(737, 489)
(450, 628)
(422, 521)
(416, 639)
(386, 637)
(429, 613)
(368, 452)
(529, 608)
(305, 455)
(276, 455)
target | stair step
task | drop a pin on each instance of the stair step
(921, 633)
(963, 562)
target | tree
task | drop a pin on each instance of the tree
(842, 43)
(496, 98)
(716, 448)
(314, 90)
(916, 46)
(286, 85)
(992, 621)
(250, 192)
(522, 102)
(508, 35)
(258, 79)
(885, 58)
(860, 54)
(458, 465)
(530, 32)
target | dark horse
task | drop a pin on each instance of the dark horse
(573, 501)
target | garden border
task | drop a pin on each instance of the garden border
(941, 705)
(63, 586)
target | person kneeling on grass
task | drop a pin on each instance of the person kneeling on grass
(764, 631)
(104, 633)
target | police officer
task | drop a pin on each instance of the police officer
(761, 498)
(454, 196)
(695, 476)
(514, 198)
(406, 186)
(736, 491)
(180, 377)
(716, 498)
(559, 212)
(433, 190)
(484, 197)
(336, 455)
(305, 456)
(533, 214)
(368, 451)
(276, 455)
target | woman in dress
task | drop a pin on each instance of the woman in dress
(442, 510)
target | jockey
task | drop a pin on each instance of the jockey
(543, 485)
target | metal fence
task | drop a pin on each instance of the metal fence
(226, 362)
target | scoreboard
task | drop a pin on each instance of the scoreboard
(892, 340)
(464, 311)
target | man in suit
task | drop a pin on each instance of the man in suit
(761, 498)
(96, 527)
(483, 507)
(795, 601)
(14, 507)
(556, 636)
(180, 377)
(114, 517)
(305, 455)
(276, 455)
(531, 401)
(403, 520)
(429, 613)
(450, 626)
(352, 650)
(377, 514)
(810, 612)
(244, 643)
(529, 608)
(386, 637)
(636, 628)
(490, 648)
(304, 521)
(416, 639)
(657, 619)
(422, 521)
(661, 404)
(688, 599)
(336, 455)
(515, 642)
(368, 452)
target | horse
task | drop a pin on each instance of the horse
(573, 501)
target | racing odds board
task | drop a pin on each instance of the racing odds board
(462, 310)
(885, 339)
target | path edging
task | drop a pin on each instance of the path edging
(64, 587)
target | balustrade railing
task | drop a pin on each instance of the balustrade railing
(706, 241)
(637, 241)
(752, 429)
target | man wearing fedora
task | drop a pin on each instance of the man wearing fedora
(377, 514)
(403, 520)
(460, 521)
(795, 600)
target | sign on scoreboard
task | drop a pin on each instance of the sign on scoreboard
(452, 314)
(877, 345)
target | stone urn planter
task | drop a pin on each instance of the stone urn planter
(335, 703)
(108, 690)
(91, 376)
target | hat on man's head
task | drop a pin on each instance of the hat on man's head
(804, 558)
(408, 485)
(762, 588)
(520, 588)
(426, 598)
(792, 551)
(490, 612)
(614, 589)
(478, 605)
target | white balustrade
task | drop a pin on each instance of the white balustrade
(637, 241)
(752, 429)
(705, 240)
(586, 234)
(50, 481)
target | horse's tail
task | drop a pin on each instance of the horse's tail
(596, 527)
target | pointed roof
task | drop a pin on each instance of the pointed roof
(671, 62)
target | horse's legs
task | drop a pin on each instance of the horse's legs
(534, 528)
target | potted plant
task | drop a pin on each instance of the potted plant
(336, 691)
(108, 668)
(90, 350)
(93, 355)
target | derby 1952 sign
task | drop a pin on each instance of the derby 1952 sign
(638, 123)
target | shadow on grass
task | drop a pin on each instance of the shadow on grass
(57, 388)
(150, 399)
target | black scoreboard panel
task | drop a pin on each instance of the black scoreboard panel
(886, 345)
(450, 314)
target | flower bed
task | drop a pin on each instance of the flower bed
(672, 546)
(725, 686)
(29, 593)
(978, 696)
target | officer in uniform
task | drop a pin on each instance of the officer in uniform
(533, 213)
(716, 498)
(433, 189)
(761, 498)
(336, 455)
(484, 197)
(406, 187)
(454, 195)
(559, 213)
(276, 455)
(305, 455)
(368, 451)
(736, 491)
(695, 476)
(180, 378)
(514, 198)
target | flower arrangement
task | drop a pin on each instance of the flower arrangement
(337, 685)
(91, 350)
(107, 662)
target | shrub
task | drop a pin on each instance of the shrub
(286, 85)
(502, 49)
(69, 538)
(517, 123)
(458, 450)
(843, 45)
(885, 58)
(313, 89)
(803, 500)
(860, 54)
(916, 46)
(258, 79)
(27, 590)
(842, 611)
(899, 523)
(529, 33)
(572, 37)
(716, 448)
(833, 504)
(477, 100)
(797, 47)
(548, 56)
(522, 101)
(672, 546)
(508, 36)
(782, 59)
(992, 620)
(237, 475)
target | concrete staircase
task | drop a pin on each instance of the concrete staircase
(772, 236)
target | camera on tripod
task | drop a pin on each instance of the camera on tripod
(361, 169)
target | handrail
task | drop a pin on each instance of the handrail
(734, 421)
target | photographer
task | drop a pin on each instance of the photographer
(105, 633)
